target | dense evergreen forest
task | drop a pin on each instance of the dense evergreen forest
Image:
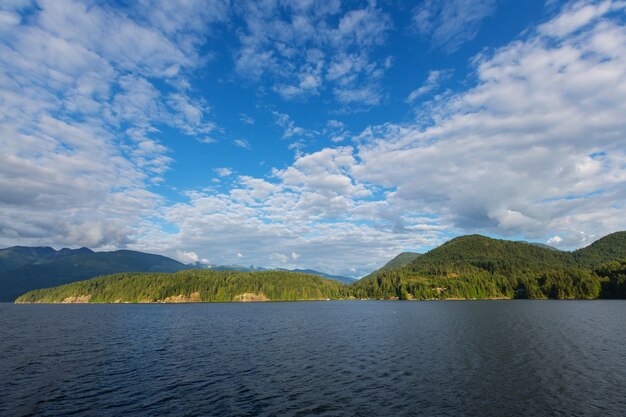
(475, 266)
(467, 267)
(192, 286)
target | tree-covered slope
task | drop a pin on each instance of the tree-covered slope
(609, 248)
(398, 261)
(192, 285)
(480, 267)
(465, 267)
(339, 278)
(33, 268)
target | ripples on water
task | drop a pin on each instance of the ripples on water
(322, 358)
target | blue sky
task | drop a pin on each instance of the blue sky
(313, 134)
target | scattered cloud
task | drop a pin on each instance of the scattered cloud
(189, 257)
(538, 144)
(242, 143)
(279, 257)
(313, 210)
(435, 77)
(289, 126)
(510, 156)
(80, 116)
(207, 140)
(246, 119)
(450, 24)
(535, 148)
(302, 48)
(223, 172)
(336, 131)
(555, 240)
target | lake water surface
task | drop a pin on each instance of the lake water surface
(359, 358)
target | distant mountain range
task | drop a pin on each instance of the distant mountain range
(467, 267)
(345, 280)
(252, 268)
(23, 269)
(27, 268)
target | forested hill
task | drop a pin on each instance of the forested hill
(192, 286)
(480, 267)
(27, 268)
(610, 248)
(466, 267)
(398, 261)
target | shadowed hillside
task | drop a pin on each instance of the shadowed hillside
(23, 269)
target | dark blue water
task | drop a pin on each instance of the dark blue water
(320, 358)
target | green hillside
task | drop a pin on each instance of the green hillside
(192, 286)
(480, 267)
(610, 248)
(398, 261)
(23, 269)
(466, 267)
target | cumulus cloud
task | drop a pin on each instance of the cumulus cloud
(555, 240)
(223, 172)
(310, 214)
(187, 257)
(534, 147)
(77, 118)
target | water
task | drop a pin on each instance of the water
(322, 358)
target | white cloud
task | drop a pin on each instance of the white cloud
(187, 257)
(223, 172)
(289, 126)
(207, 139)
(555, 240)
(8, 20)
(576, 16)
(279, 257)
(301, 47)
(77, 119)
(431, 84)
(450, 24)
(242, 143)
(308, 215)
(534, 148)
(246, 119)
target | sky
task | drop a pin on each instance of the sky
(310, 134)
